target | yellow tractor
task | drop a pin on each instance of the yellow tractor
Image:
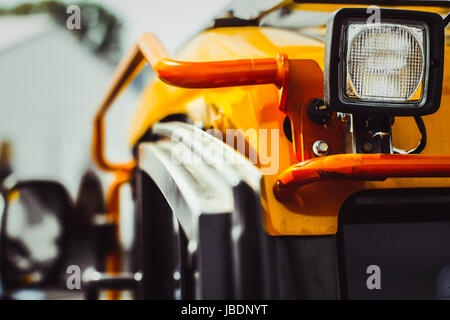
(302, 153)
(299, 153)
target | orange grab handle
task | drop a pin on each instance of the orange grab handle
(211, 74)
(359, 167)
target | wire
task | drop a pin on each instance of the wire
(423, 141)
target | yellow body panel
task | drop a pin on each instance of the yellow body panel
(314, 211)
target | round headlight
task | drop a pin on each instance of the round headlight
(385, 62)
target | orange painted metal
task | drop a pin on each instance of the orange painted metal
(367, 167)
(306, 84)
(114, 257)
(210, 74)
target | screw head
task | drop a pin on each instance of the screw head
(321, 148)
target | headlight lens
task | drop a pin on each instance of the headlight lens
(385, 62)
(391, 67)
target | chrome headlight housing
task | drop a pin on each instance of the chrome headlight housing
(394, 66)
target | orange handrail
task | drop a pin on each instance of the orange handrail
(211, 74)
(359, 167)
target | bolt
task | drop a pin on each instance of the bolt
(318, 112)
(321, 148)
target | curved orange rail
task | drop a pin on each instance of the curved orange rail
(359, 167)
(184, 74)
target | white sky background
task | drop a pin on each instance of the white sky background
(173, 21)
